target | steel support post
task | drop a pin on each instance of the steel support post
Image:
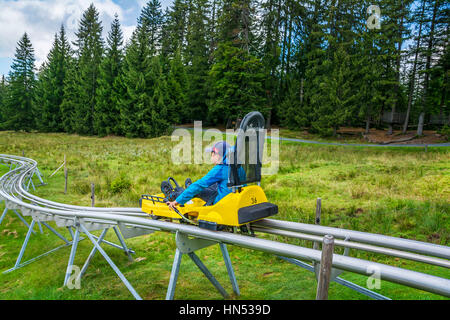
(189, 246)
(31, 181)
(208, 274)
(174, 274)
(72, 254)
(111, 263)
(122, 242)
(3, 215)
(226, 258)
(39, 175)
(24, 246)
(94, 250)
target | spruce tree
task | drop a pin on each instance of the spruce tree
(151, 19)
(160, 117)
(433, 53)
(367, 73)
(270, 50)
(51, 85)
(177, 87)
(175, 29)
(71, 99)
(89, 50)
(138, 114)
(197, 61)
(2, 99)
(107, 113)
(236, 79)
(337, 95)
(314, 69)
(236, 84)
(20, 101)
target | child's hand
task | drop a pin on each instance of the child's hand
(172, 204)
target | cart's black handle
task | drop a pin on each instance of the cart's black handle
(174, 181)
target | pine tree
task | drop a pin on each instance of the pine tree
(236, 24)
(2, 99)
(175, 29)
(177, 87)
(51, 85)
(392, 36)
(139, 116)
(412, 79)
(435, 46)
(337, 98)
(151, 19)
(160, 119)
(236, 84)
(236, 78)
(20, 101)
(89, 50)
(314, 69)
(270, 51)
(197, 61)
(107, 113)
(71, 98)
(367, 71)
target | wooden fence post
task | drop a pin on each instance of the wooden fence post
(92, 194)
(325, 268)
(65, 174)
(317, 220)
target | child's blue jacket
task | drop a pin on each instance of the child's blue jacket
(217, 174)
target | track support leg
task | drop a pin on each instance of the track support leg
(72, 255)
(188, 246)
(110, 262)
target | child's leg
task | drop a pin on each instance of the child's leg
(209, 194)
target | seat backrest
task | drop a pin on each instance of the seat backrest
(245, 158)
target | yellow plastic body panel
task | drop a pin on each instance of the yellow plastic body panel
(225, 212)
(162, 210)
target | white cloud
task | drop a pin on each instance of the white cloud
(42, 19)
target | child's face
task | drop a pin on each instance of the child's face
(216, 158)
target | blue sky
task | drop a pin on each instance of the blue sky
(41, 19)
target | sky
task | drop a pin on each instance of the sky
(41, 19)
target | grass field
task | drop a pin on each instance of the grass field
(398, 192)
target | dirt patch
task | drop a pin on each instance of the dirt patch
(381, 136)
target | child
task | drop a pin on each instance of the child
(213, 186)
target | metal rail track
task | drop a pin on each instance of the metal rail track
(13, 192)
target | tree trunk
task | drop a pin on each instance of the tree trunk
(288, 58)
(246, 25)
(428, 63)
(413, 72)
(391, 120)
(367, 122)
(212, 42)
(283, 55)
(268, 120)
(380, 116)
(420, 126)
(301, 90)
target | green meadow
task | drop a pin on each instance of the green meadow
(401, 192)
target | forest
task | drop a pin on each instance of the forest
(316, 65)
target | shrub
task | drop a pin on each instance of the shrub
(119, 185)
(445, 131)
